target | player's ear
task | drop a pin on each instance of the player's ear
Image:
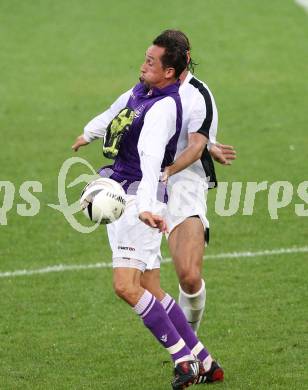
(169, 73)
(188, 57)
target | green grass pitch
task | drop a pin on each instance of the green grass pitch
(62, 62)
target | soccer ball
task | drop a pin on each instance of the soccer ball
(103, 200)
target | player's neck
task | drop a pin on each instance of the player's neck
(183, 76)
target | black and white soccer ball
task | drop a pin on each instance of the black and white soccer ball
(103, 200)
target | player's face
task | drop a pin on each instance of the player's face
(152, 72)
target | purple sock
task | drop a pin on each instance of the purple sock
(179, 320)
(157, 321)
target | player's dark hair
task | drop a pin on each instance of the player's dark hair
(175, 55)
(178, 38)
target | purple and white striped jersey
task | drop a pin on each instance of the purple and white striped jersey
(148, 146)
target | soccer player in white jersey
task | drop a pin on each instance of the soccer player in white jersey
(147, 147)
(187, 222)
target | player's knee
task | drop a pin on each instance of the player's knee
(190, 281)
(120, 288)
(125, 291)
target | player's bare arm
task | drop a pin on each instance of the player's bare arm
(192, 153)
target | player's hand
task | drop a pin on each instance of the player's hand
(80, 141)
(166, 174)
(154, 221)
(224, 154)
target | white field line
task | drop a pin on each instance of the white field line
(78, 267)
(302, 3)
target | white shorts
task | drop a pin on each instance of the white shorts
(187, 197)
(133, 243)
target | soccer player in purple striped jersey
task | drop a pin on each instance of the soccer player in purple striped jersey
(187, 189)
(145, 150)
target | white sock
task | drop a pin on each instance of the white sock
(193, 306)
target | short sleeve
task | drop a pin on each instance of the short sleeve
(203, 116)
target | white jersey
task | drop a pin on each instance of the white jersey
(187, 189)
(199, 115)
